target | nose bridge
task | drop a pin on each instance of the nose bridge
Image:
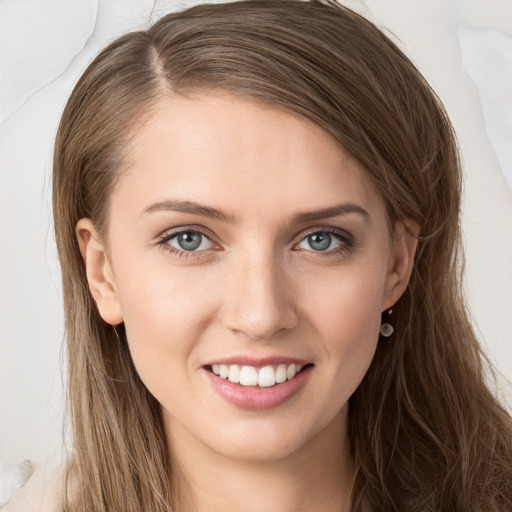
(260, 300)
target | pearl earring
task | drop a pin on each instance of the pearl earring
(386, 329)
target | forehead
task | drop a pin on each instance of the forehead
(231, 152)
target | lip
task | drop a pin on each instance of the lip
(255, 398)
(258, 362)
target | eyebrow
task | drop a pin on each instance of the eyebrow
(194, 208)
(176, 205)
(332, 211)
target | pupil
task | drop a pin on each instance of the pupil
(189, 240)
(319, 241)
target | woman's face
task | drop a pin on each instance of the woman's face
(243, 241)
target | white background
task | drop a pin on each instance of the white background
(463, 47)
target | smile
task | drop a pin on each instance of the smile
(259, 387)
(264, 377)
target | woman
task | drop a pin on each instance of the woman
(256, 209)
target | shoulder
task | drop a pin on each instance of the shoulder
(42, 492)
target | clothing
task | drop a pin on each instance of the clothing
(42, 493)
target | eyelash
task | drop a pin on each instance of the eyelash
(346, 239)
(166, 237)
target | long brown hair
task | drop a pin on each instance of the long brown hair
(426, 433)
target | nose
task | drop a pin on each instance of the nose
(259, 298)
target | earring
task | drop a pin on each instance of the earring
(386, 329)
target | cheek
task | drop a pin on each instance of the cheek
(348, 302)
(164, 315)
(345, 312)
(162, 297)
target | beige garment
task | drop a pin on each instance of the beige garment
(42, 493)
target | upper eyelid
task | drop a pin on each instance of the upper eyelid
(172, 232)
(324, 229)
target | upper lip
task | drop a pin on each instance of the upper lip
(258, 361)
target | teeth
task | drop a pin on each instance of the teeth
(264, 377)
(248, 376)
(291, 371)
(234, 374)
(224, 371)
(281, 373)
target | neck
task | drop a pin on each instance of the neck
(317, 477)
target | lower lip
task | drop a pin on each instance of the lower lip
(255, 398)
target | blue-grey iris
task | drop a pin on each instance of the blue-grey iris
(319, 241)
(189, 240)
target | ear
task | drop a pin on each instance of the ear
(99, 272)
(405, 241)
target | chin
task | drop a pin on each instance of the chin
(271, 441)
(260, 450)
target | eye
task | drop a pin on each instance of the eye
(324, 241)
(187, 241)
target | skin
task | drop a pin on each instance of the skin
(256, 287)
